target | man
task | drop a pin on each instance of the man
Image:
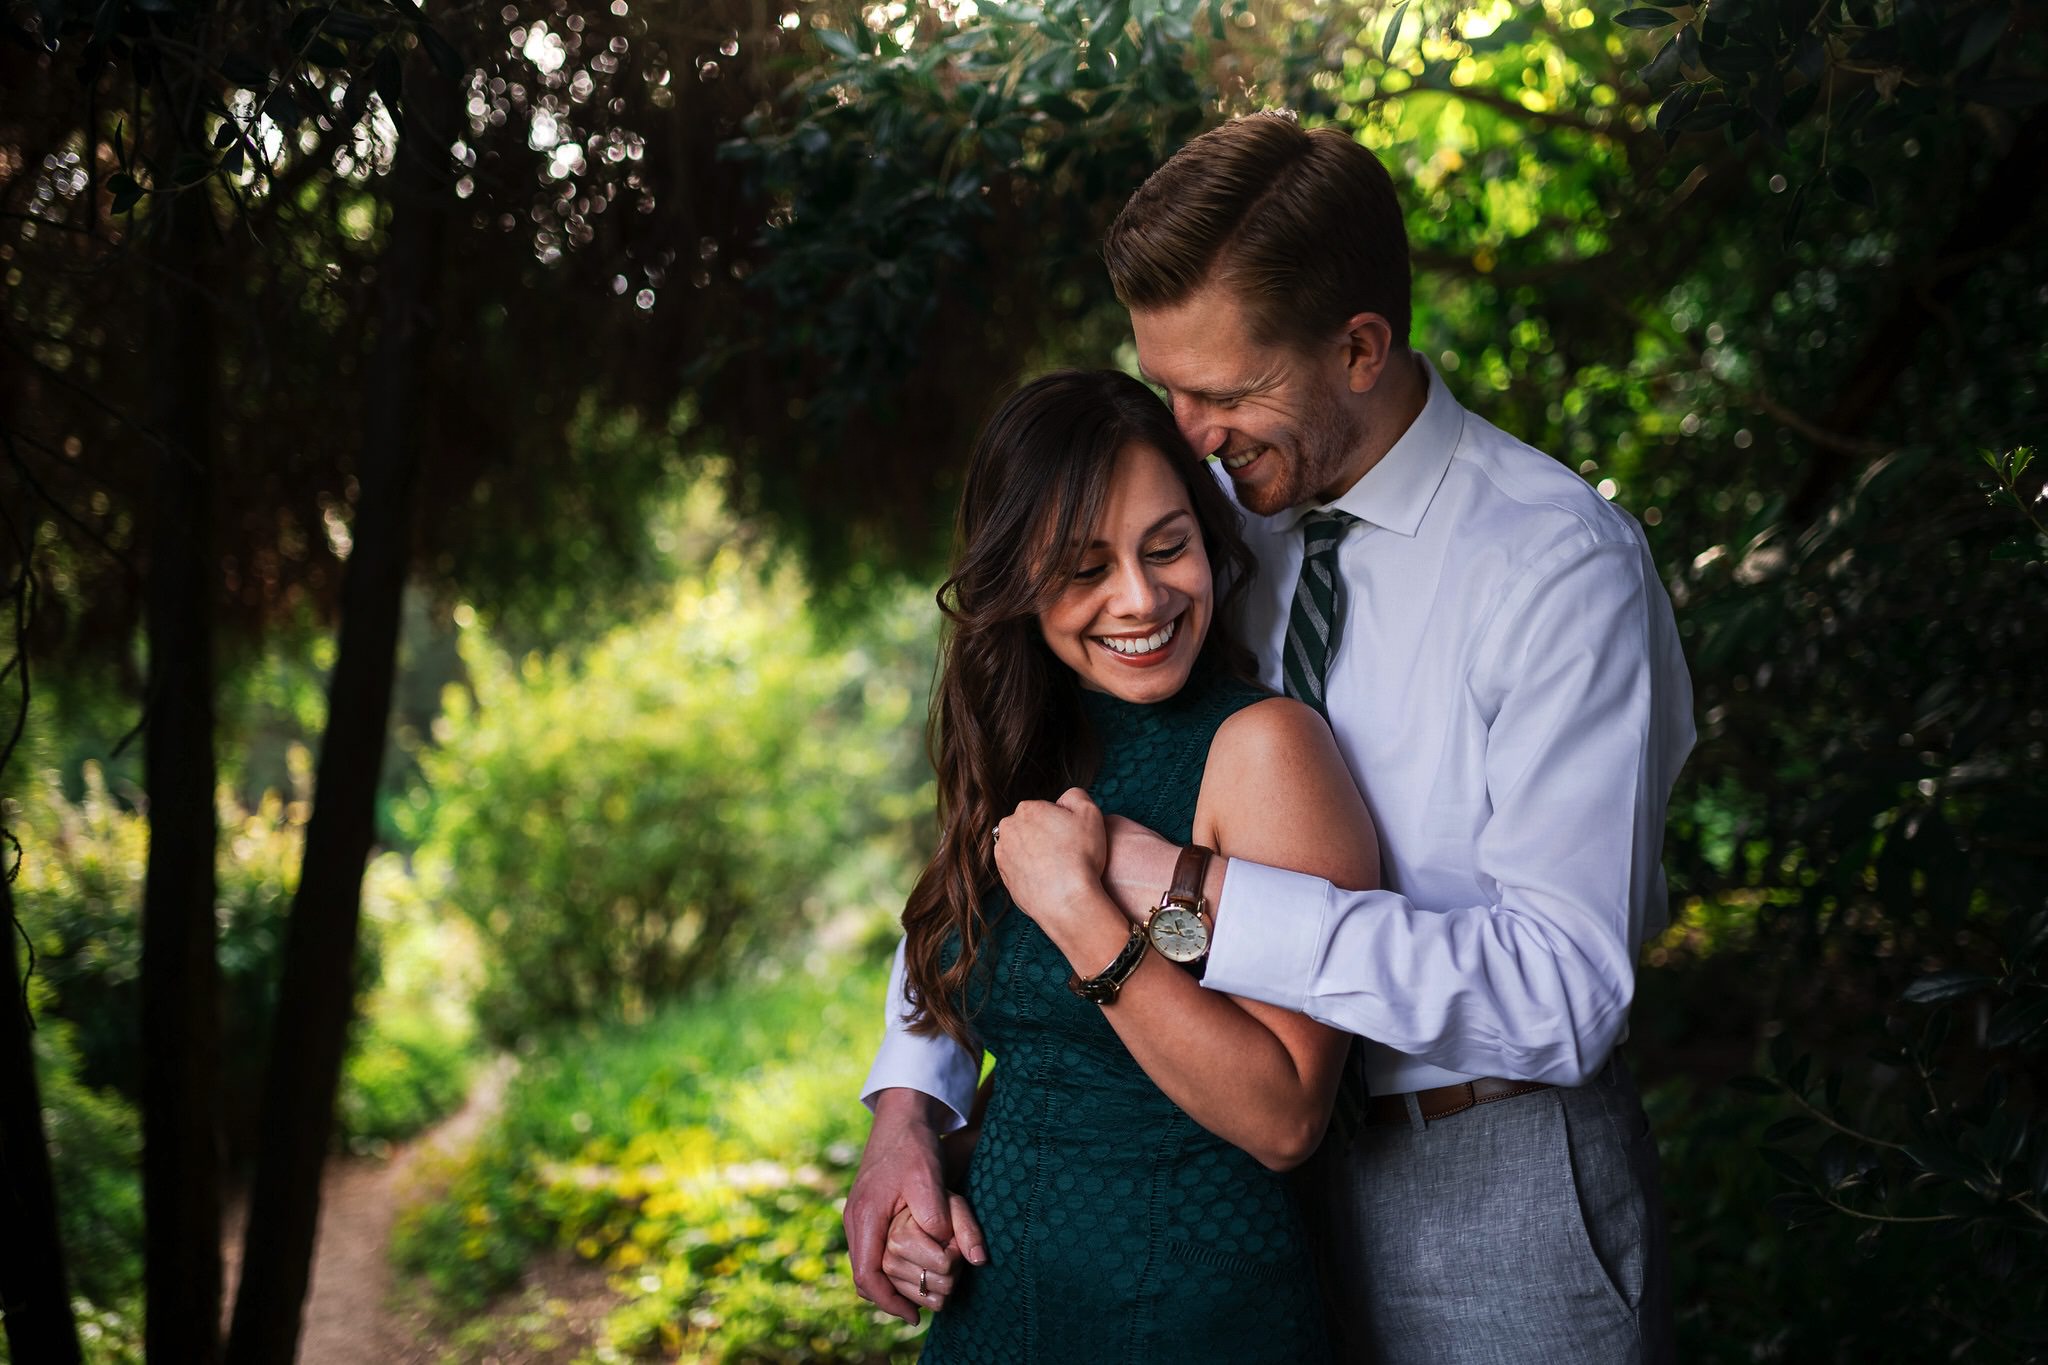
(1497, 659)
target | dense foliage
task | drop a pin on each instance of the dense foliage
(710, 783)
(702, 1157)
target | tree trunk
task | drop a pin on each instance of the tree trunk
(316, 998)
(33, 1300)
(180, 976)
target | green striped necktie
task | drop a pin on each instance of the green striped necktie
(1313, 620)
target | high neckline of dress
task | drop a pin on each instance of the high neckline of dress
(1105, 706)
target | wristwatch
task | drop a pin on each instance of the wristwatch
(1102, 989)
(1176, 926)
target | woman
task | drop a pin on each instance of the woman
(1127, 1175)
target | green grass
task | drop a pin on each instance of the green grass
(703, 1157)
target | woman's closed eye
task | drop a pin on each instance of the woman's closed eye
(1166, 554)
(1161, 554)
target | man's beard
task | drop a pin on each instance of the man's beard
(1312, 459)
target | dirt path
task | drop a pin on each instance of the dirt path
(348, 1317)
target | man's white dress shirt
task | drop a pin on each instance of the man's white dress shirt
(1509, 693)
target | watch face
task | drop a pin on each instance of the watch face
(1178, 934)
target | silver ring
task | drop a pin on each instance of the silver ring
(922, 1292)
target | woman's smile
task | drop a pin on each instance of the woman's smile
(1131, 619)
(1142, 649)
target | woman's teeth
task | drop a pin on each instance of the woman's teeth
(1124, 644)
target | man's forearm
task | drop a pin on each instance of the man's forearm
(935, 1066)
(906, 1108)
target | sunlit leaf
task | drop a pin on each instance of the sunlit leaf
(1393, 31)
(1946, 985)
(1643, 18)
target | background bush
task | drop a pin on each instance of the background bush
(703, 1156)
(713, 782)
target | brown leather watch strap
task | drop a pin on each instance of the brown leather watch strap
(1189, 871)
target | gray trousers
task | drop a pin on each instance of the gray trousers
(1527, 1231)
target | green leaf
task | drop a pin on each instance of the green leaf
(1109, 23)
(1787, 1127)
(2019, 1023)
(840, 44)
(1793, 212)
(1662, 69)
(2021, 458)
(320, 52)
(1393, 33)
(1689, 47)
(245, 71)
(304, 25)
(1681, 102)
(442, 53)
(2035, 937)
(1641, 18)
(283, 110)
(1938, 1159)
(1707, 119)
(125, 190)
(1852, 185)
(389, 75)
(349, 27)
(1946, 985)
(1796, 1207)
(1786, 1165)
(1982, 35)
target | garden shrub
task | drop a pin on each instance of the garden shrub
(705, 1158)
(620, 821)
(80, 894)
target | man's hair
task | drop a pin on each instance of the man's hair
(1302, 224)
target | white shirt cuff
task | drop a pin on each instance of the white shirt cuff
(1269, 934)
(936, 1066)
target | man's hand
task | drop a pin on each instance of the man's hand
(899, 1172)
(1141, 868)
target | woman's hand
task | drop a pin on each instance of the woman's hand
(1051, 856)
(919, 1267)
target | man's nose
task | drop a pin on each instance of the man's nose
(1197, 428)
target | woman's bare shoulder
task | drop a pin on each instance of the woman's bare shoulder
(1276, 791)
(1275, 728)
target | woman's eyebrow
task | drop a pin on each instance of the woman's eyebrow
(1152, 530)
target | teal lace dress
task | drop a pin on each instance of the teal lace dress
(1119, 1229)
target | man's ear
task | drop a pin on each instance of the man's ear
(1368, 342)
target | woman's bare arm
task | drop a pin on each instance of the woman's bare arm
(1275, 790)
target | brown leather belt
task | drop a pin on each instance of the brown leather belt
(1447, 1100)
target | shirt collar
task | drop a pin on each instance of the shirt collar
(1396, 492)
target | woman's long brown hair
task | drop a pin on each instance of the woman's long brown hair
(1006, 718)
